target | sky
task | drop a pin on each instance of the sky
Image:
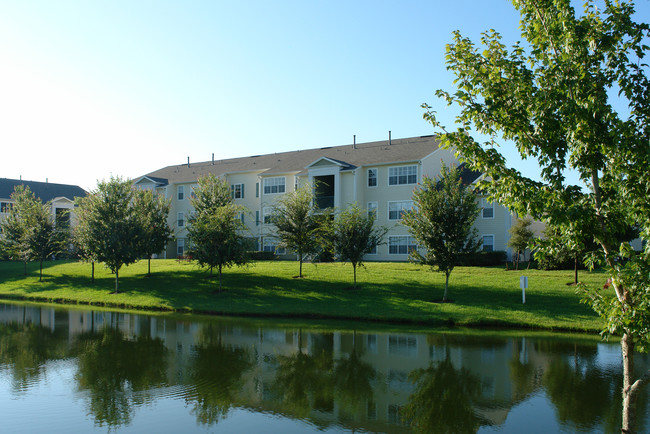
(94, 89)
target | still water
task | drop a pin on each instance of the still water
(100, 371)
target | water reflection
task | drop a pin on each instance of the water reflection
(124, 368)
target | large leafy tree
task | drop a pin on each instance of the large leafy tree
(298, 222)
(353, 235)
(555, 98)
(442, 218)
(152, 211)
(215, 231)
(29, 231)
(110, 227)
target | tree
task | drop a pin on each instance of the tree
(520, 237)
(441, 221)
(82, 234)
(215, 229)
(151, 211)
(353, 235)
(297, 223)
(110, 229)
(29, 232)
(555, 99)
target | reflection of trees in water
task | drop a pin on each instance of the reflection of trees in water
(353, 380)
(26, 347)
(443, 399)
(303, 381)
(112, 367)
(216, 372)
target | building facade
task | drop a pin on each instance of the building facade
(378, 176)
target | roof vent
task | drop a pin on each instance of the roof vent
(354, 141)
(389, 139)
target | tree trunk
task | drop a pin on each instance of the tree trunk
(220, 278)
(300, 269)
(629, 397)
(92, 279)
(354, 269)
(149, 266)
(575, 270)
(40, 277)
(25, 267)
(444, 297)
(117, 274)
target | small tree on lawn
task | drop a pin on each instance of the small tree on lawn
(298, 224)
(82, 234)
(555, 98)
(151, 211)
(215, 229)
(111, 231)
(520, 238)
(353, 235)
(29, 230)
(441, 222)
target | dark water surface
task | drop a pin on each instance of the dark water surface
(99, 371)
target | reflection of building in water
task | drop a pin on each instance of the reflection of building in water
(354, 379)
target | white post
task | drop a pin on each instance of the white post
(523, 283)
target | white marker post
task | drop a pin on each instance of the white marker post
(523, 282)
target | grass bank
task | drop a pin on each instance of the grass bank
(389, 292)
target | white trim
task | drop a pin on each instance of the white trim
(368, 177)
(407, 176)
(283, 184)
(408, 244)
(483, 245)
(486, 204)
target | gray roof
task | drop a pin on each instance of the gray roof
(351, 157)
(46, 191)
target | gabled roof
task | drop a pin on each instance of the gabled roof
(46, 191)
(160, 182)
(349, 156)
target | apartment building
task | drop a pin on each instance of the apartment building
(378, 176)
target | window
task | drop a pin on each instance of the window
(240, 217)
(372, 177)
(180, 247)
(181, 220)
(271, 245)
(257, 218)
(488, 243)
(372, 209)
(487, 209)
(401, 245)
(5, 207)
(295, 183)
(396, 209)
(274, 185)
(402, 175)
(237, 191)
(257, 189)
(192, 193)
(267, 211)
(181, 192)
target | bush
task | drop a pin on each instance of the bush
(483, 259)
(262, 256)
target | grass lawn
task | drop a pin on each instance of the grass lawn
(389, 292)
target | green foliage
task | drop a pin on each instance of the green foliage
(108, 228)
(353, 235)
(520, 238)
(554, 98)
(215, 232)
(29, 231)
(298, 224)
(151, 211)
(483, 259)
(441, 221)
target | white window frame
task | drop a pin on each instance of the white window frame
(372, 207)
(409, 241)
(180, 192)
(483, 244)
(485, 204)
(237, 191)
(267, 211)
(180, 246)
(376, 177)
(404, 205)
(277, 183)
(180, 219)
(397, 173)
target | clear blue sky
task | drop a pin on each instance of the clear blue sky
(90, 88)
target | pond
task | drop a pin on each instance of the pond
(65, 370)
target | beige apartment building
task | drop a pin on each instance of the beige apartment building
(378, 176)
